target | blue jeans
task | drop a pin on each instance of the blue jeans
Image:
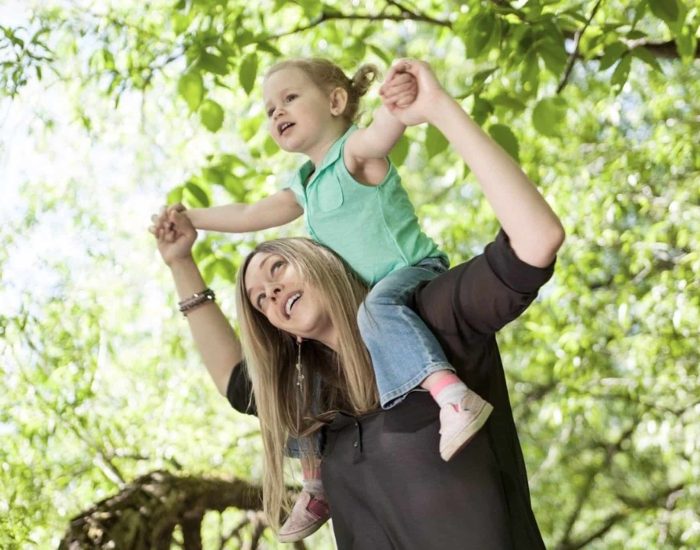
(298, 447)
(403, 349)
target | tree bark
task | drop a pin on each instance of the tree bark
(143, 515)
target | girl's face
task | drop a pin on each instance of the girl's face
(276, 289)
(301, 116)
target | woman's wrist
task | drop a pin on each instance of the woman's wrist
(443, 110)
(182, 262)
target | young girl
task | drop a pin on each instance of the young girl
(353, 202)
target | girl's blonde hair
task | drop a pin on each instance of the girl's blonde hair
(328, 76)
(284, 409)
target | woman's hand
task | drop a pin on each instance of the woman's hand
(174, 233)
(430, 92)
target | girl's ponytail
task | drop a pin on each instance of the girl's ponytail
(363, 79)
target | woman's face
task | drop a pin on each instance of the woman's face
(276, 289)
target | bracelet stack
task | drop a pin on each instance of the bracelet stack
(196, 300)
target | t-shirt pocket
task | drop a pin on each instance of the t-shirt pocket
(329, 195)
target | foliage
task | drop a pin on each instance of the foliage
(597, 100)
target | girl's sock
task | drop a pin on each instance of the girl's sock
(312, 482)
(446, 388)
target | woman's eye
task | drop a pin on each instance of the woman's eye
(259, 301)
(276, 265)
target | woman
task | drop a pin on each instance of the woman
(386, 485)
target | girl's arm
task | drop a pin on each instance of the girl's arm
(273, 211)
(535, 232)
(213, 336)
(366, 150)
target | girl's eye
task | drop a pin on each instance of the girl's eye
(269, 112)
(290, 97)
(259, 301)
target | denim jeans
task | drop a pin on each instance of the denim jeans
(313, 444)
(403, 349)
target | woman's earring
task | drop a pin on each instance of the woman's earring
(300, 375)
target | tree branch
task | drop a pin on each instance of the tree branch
(611, 449)
(404, 15)
(574, 53)
(656, 500)
(143, 514)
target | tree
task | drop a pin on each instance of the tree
(596, 100)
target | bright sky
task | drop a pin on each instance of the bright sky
(116, 173)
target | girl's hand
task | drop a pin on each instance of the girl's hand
(430, 92)
(174, 233)
(161, 224)
(399, 90)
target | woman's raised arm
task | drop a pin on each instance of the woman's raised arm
(535, 232)
(213, 335)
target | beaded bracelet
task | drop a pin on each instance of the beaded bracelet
(196, 300)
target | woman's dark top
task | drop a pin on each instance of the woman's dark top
(387, 485)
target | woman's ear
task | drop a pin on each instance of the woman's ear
(338, 101)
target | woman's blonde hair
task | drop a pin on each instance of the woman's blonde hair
(328, 76)
(284, 409)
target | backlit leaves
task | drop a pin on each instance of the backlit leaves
(191, 89)
(248, 71)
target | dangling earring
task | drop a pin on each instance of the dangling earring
(300, 375)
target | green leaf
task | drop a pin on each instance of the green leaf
(197, 193)
(686, 42)
(175, 195)
(508, 101)
(269, 146)
(226, 269)
(645, 55)
(481, 110)
(530, 76)
(505, 137)
(549, 115)
(612, 54)
(248, 71)
(213, 63)
(180, 22)
(269, 48)
(212, 115)
(553, 54)
(400, 151)
(478, 34)
(666, 10)
(244, 37)
(435, 142)
(191, 88)
(621, 72)
(381, 54)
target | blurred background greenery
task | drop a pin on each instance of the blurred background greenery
(109, 109)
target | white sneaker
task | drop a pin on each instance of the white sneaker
(307, 516)
(460, 423)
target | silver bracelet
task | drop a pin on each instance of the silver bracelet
(196, 300)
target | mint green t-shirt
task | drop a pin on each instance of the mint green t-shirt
(374, 228)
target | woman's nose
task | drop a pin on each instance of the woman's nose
(273, 290)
